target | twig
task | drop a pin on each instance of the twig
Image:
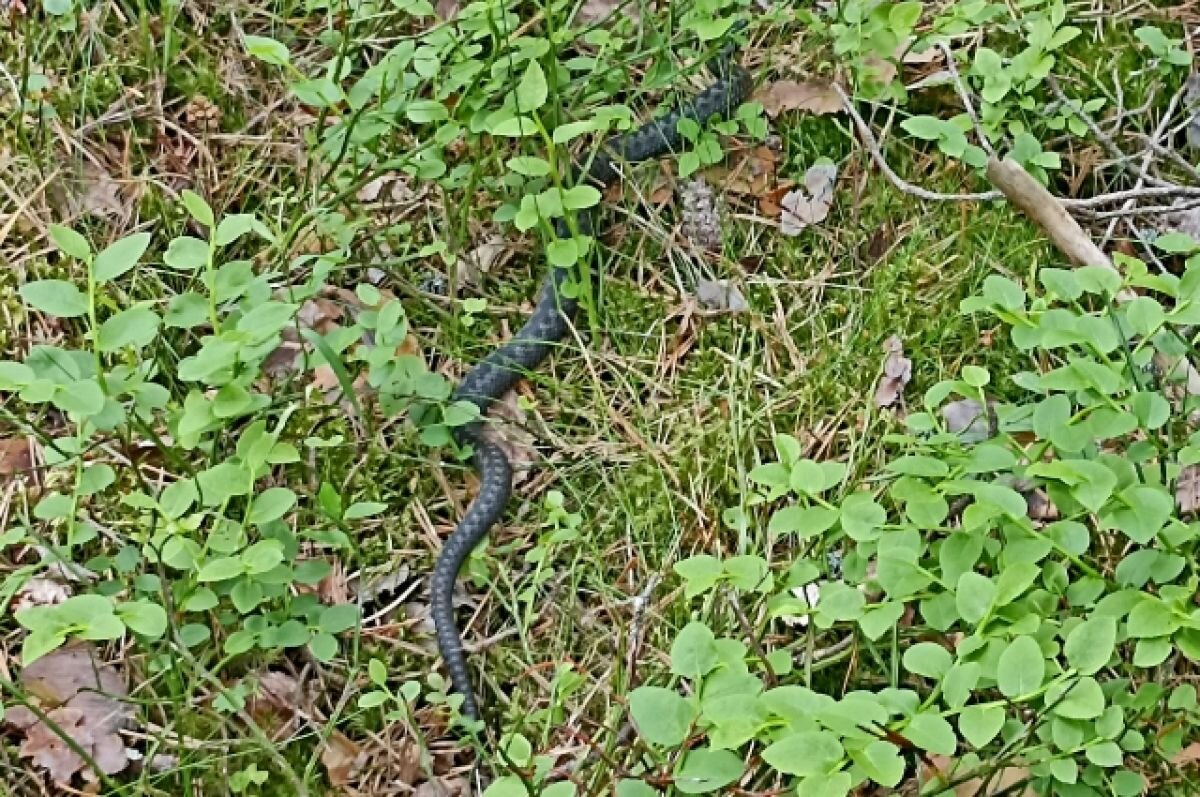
(1032, 198)
(868, 139)
(1145, 210)
(965, 96)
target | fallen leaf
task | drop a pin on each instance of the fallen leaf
(810, 204)
(320, 314)
(1187, 489)
(441, 787)
(1191, 102)
(102, 194)
(815, 96)
(721, 296)
(905, 55)
(701, 216)
(967, 419)
(1188, 755)
(510, 431)
(882, 70)
(446, 9)
(897, 371)
(593, 11)
(81, 696)
(342, 758)
(40, 592)
(480, 260)
(750, 172)
(16, 456)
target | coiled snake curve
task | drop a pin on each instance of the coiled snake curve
(552, 315)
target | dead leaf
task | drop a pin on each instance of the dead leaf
(809, 205)
(750, 172)
(446, 9)
(441, 787)
(593, 11)
(510, 432)
(82, 696)
(40, 592)
(882, 70)
(721, 296)
(320, 314)
(1187, 489)
(16, 456)
(815, 96)
(905, 55)
(967, 419)
(343, 758)
(897, 371)
(1188, 755)
(101, 193)
(480, 260)
(1191, 101)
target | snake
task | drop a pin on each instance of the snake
(550, 321)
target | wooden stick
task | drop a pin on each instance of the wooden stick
(1047, 212)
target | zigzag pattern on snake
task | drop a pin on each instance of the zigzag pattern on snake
(552, 315)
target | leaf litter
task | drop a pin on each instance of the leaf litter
(897, 372)
(810, 204)
(82, 697)
(816, 96)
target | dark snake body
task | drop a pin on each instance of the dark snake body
(551, 318)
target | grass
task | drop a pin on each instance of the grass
(648, 423)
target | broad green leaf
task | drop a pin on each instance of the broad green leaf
(136, 327)
(749, 573)
(1021, 668)
(700, 573)
(338, 618)
(69, 242)
(220, 569)
(120, 257)
(804, 521)
(932, 732)
(882, 762)
(694, 652)
(705, 770)
(532, 90)
(1090, 644)
(928, 659)
(927, 128)
(56, 297)
(861, 517)
(980, 724)
(806, 753)
(187, 253)
(264, 48)
(272, 504)
(662, 717)
(143, 617)
(974, 595)
(197, 207)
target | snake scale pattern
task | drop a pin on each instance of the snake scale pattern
(499, 371)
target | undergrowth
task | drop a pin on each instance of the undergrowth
(251, 248)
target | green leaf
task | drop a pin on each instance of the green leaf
(804, 521)
(96, 478)
(700, 574)
(339, 618)
(806, 753)
(882, 762)
(580, 197)
(187, 253)
(749, 573)
(903, 17)
(1080, 700)
(928, 659)
(532, 89)
(232, 227)
(83, 398)
(927, 128)
(262, 556)
(980, 724)
(120, 257)
(264, 48)
(178, 497)
(529, 166)
(185, 311)
(1151, 617)
(974, 596)
(662, 717)
(70, 243)
(363, 509)
(1090, 644)
(1021, 668)
(507, 786)
(634, 788)
(932, 732)
(143, 617)
(514, 127)
(705, 770)
(562, 253)
(197, 207)
(694, 652)
(861, 517)
(877, 619)
(1105, 754)
(272, 504)
(136, 327)
(1176, 243)
(221, 569)
(324, 647)
(56, 297)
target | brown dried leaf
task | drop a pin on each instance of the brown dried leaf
(815, 96)
(897, 371)
(721, 296)
(967, 419)
(441, 787)
(1186, 756)
(594, 11)
(16, 456)
(40, 592)
(78, 694)
(1000, 784)
(343, 758)
(101, 195)
(510, 432)
(1187, 489)
(446, 9)
(883, 70)
(809, 205)
(480, 260)
(751, 172)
